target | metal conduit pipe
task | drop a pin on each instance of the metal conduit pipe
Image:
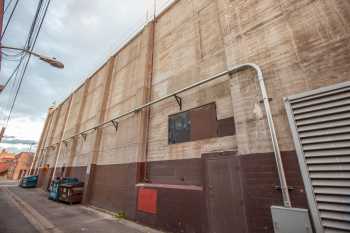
(231, 71)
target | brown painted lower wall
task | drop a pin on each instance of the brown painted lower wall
(44, 177)
(185, 211)
(259, 181)
(177, 211)
(179, 172)
(113, 187)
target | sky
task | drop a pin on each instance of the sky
(82, 34)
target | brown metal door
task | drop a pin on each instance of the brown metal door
(223, 194)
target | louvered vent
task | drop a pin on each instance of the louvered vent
(320, 122)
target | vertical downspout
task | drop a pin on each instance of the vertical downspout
(276, 149)
(145, 172)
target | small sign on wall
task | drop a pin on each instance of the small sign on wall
(147, 200)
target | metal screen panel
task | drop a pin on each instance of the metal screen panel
(320, 124)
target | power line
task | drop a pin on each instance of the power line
(9, 20)
(15, 73)
(12, 90)
(31, 49)
(27, 43)
(7, 7)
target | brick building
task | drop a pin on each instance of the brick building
(23, 164)
(7, 162)
(202, 160)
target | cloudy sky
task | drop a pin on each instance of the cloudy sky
(80, 33)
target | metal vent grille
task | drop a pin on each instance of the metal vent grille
(320, 123)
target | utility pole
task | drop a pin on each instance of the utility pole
(154, 9)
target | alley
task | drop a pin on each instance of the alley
(29, 211)
(11, 218)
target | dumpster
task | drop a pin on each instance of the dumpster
(71, 193)
(54, 189)
(29, 182)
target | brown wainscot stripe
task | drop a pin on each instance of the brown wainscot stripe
(178, 210)
(261, 188)
(112, 187)
(179, 189)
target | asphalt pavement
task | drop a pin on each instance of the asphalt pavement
(30, 211)
(11, 218)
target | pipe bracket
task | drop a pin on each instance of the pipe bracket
(116, 125)
(179, 101)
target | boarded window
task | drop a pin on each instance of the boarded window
(203, 122)
(179, 128)
(226, 127)
(197, 124)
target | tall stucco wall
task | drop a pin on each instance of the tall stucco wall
(300, 45)
(127, 91)
(64, 108)
(189, 47)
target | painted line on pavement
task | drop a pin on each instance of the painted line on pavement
(41, 223)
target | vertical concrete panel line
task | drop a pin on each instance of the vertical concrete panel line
(39, 149)
(101, 117)
(221, 30)
(54, 126)
(51, 133)
(62, 134)
(43, 149)
(73, 150)
(45, 135)
(147, 98)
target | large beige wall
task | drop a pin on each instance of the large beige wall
(300, 45)
(189, 47)
(127, 91)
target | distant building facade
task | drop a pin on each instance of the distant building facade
(7, 163)
(203, 161)
(23, 163)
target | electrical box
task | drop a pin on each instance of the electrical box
(147, 200)
(290, 220)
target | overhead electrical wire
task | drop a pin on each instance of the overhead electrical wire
(26, 46)
(30, 47)
(28, 40)
(9, 20)
(8, 6)
(12, 56)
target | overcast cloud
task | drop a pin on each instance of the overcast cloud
(80, 33)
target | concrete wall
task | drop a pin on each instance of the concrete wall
(188, 48)
(299, 44)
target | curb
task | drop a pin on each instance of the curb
(43, 225)
(38, 221)
(128, 223)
